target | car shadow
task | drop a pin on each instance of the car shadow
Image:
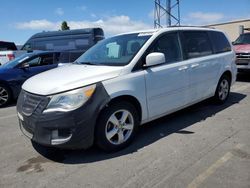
(11, 104)
(147, 134)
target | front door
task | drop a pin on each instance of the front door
(37, 64)
(166, 84)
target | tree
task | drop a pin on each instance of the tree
(65, 26)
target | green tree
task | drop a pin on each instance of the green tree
(65, 26)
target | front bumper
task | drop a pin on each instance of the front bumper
(243, 64)
(69, 130)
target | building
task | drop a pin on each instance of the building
(233, 28)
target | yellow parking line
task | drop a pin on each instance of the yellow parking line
(203, 176)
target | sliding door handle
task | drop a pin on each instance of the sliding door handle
(183, 68)
(195, 65)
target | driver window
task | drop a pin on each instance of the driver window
(34, 62)
(169, 46)
(47, 59)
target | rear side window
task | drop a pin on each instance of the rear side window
(69, 43)
(197, 44)
(58, 44)
(220, 42)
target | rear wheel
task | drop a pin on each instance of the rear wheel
(5, 95)
(223, 89)
(117, 126)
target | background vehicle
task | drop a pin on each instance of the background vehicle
(15, 72)
(242, 48)
(8, 51)
(76, 42)
(125, 81)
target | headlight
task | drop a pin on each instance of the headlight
(70, 100)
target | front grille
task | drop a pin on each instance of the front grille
(29, 104)
(242, 63)
(243, 55)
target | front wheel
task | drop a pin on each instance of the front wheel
(5, 95)
(117, 126)
(222, 90)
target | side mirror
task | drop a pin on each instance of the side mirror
(155, 58)
(25, 66)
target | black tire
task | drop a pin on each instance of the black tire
(103, 124)
(220, 98)
(5, 95)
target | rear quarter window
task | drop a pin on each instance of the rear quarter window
(219, 42)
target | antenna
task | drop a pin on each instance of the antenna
(166, 13)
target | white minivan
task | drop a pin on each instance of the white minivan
(123, 82)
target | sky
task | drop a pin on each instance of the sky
(20, 19)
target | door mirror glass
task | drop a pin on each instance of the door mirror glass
(155, 58)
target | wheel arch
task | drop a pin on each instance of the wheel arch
(98, 129)
(229, 74)
(128, 98)
(2, 82)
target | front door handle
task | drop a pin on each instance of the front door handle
(195, 65)
(183, 68)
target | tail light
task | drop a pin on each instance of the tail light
(11, 56)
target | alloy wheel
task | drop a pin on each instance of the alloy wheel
(4, 96)
(223, 89)
(119, 127)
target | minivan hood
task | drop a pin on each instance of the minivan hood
(69, 77)
(245, 48)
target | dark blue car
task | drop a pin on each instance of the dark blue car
(15, 72)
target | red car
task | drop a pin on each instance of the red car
(242, 49)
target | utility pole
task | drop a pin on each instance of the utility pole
(166, 13)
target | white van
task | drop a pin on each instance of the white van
(123, 82)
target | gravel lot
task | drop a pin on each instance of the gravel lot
(205, 145)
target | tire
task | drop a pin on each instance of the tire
(5, 95)
(116, 126)
(222, 90)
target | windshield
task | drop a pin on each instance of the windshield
(16, 61)
(243, 39)
(115, 51)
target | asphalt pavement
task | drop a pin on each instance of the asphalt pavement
(206, 145)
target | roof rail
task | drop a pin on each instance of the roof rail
(204, 26)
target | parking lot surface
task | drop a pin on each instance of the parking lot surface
(205, 145)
